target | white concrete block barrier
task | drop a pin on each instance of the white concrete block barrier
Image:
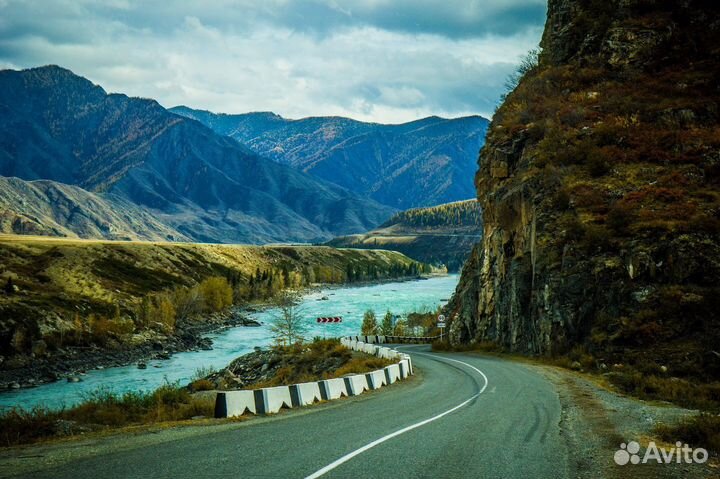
(305, 394)
(392, 373)
(234, 403)
(272, 400)
(333, 389)
(376, 379)
(356, 385)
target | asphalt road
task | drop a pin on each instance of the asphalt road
(465, 417)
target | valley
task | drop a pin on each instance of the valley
(69, 301)
(132, 155)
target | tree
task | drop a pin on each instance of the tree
(287, 325)
(386, 328)
(9, 286)
(188, 302)
(369, 324)
(165, 312)
(400, 329)
(218, 294)
(146, 311)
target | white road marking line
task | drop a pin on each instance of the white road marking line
(376, 442)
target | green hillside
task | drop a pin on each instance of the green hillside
(442, 235)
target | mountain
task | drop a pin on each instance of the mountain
(438, 235)
(421, 163)
(57, 126)
(48, 208)
(599, 186)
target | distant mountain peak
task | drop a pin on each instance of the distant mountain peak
(424, 162)
(61, 127)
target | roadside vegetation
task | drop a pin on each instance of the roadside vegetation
(414, 324)
(103, 410)
(314, 361)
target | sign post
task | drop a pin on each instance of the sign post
(326, 321)
(441, 325)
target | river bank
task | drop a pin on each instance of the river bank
(229, 343)
(72, 363)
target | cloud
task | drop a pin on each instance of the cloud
(376, 60)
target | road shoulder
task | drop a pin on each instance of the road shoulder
(596, 420)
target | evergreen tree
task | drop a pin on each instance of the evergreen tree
(369, 323)
(386, 328)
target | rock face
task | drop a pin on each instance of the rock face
(599, 187)
(420, 163)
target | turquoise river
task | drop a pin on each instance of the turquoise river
(228, 344)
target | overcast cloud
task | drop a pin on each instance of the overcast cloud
(374, 60)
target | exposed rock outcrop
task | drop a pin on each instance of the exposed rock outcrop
(599, 188)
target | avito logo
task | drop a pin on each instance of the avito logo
(682, 453)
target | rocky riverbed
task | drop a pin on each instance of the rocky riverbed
(71, 363)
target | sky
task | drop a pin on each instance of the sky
(387, 61)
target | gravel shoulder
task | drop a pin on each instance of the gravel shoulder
(595, 421)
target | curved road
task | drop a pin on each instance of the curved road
(466, 417)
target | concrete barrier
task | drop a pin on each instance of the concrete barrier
(392, 373)
(356, 385)
(304, 394)
(271, 400)
(234, 403)
(404, 368)
(274, 399)
(409, 361)
(333, 389)
(376, 379)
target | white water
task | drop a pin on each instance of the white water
(350, 303)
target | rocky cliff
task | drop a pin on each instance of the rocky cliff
(599, 187)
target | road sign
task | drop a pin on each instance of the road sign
(441, 324)
(334, 319)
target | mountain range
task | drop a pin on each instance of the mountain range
(174, 177)
(421, 163)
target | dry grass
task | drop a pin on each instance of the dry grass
(62, 282)
(699, 431)
(321, 359)
(103, 410)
